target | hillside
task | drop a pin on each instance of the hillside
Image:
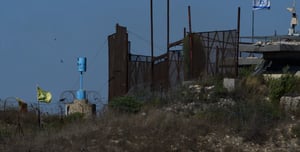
(200, 117)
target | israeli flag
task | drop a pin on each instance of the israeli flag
(261, 4)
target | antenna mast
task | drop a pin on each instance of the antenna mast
(294, 20)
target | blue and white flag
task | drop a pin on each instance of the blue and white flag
(261, 4)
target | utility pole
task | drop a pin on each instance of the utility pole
(190, 44)
(168, 25)
(238, 42)
(152, 49)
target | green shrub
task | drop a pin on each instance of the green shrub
(252, 118)
(125, 104)
(255, 119)
(246, 71)
(278, 87)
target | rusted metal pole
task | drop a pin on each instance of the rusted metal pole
(217, 60)
(238, 42)
(190, 19)
(190, 43)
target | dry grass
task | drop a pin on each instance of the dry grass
(153, 128)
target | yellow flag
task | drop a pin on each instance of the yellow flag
(43, 96)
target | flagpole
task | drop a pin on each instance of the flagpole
(252, 37)
(39, 112)
(257, 5)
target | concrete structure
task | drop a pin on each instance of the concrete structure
(273, 45)
(280, 53)
(81, 106)
(230, 83)
(249, 61)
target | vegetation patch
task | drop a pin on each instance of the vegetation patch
(189, 121)
(125, 104)
(286, 84)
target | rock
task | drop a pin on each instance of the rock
(290, 103)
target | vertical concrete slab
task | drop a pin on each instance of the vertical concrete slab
(230, 83)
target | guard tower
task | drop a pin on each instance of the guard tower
(81, 104)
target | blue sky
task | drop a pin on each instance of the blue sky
(40, 40)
